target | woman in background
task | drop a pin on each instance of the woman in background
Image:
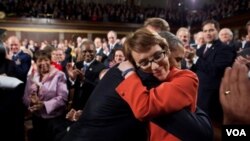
(45, 96)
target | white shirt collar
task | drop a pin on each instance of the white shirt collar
(88, 63)
(208, 45)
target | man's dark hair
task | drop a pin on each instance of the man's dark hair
(216, 24)
(158, 23)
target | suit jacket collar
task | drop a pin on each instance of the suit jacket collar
(88, 63)
(213, 47)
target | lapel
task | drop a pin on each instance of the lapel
(91, 66)
(211, 49)
(16, 56)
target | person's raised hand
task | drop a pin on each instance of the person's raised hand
(234, 95)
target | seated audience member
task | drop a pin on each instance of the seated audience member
(234, 91)
(45, 96)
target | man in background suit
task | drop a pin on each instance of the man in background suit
(214, 57)
(90, 69)
(226, 37)
(112, 45)
(99, 49)
(84, 78)
(21, 59)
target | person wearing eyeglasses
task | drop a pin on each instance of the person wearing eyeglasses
(177, 91)
(106, 116)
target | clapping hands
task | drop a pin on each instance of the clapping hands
(73, 115)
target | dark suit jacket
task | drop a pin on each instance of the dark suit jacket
(12, 117)
(68, 56)
(235, 45)
(82, 92)
(11, 107)
(210, 69)
(247, 45)
(101, 53)
(107, 117)
(7, 67)
(22, 68)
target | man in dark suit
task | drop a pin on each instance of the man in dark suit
(100, 56)
(21, 59)
(112, 45)
(12, 119)
(226, 37)
(214, 57)
(90, 70)
(84, 78)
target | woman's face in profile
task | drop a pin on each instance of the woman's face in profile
(154, 61)
(43, 65)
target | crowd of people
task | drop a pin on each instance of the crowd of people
(150, 85)
(177, 13)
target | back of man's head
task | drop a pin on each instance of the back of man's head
(157, 23)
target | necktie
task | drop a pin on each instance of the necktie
(111, 47)
(14, 57)
(205, 50)
(85, 67)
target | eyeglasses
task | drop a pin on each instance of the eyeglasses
(157, 58)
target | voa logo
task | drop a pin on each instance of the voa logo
(236, 132)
